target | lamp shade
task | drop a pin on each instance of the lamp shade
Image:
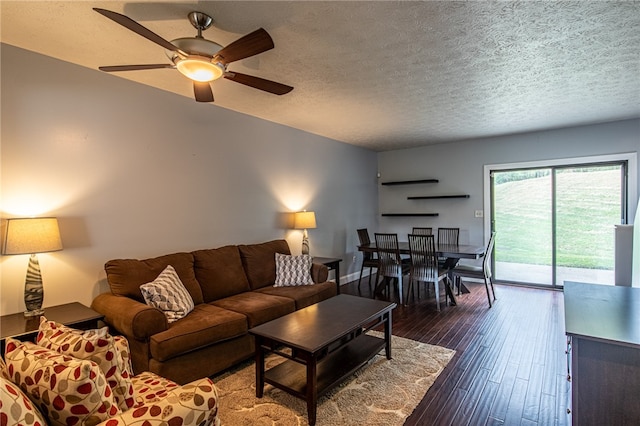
(304, 220)
(31, 235)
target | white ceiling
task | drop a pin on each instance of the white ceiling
(383, 75)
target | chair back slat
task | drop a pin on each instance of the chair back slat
(389, 261)
(448, 236)
(424, 261)
(422, 231)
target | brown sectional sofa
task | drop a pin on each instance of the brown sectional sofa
(232, 289)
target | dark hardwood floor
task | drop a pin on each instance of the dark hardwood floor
(510, 364)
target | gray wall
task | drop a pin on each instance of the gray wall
(460, 169)
(132, 171)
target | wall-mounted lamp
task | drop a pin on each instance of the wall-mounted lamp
(304, 220)
(31, 236)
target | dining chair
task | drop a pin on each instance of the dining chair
(369, 259)
(448, 236)
(390, 264)
(474, 271)
(424, 264)
(422, 231)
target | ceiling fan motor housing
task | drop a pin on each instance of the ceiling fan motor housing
(195, 46)
(199, 64)
(201, 21)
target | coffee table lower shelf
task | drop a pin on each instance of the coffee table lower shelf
(291, 376)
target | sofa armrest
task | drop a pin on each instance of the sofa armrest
(319, 273)
(130, 317)
(195, 403)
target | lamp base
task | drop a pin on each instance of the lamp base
(36, 313)
(33, 290)
(305, 242)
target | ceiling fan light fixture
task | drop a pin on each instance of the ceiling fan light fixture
(199, 68)
(199, 59)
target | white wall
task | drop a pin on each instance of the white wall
(132, 171)
(459, 168)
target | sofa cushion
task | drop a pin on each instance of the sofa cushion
(168, 294)
(293, 270)
(258, 307)
(259, 261)
(304, 295)
(220, 272)
(151, 388)
(125, 276)
(205, 361)
(205, 325)
(166, 404)
(16, 408)
(67, 390)
(93, 345)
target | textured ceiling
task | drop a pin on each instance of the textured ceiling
(383, 75)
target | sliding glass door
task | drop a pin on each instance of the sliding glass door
(556, 224)
(522, 218)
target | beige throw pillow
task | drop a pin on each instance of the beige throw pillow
(66, 389)
(293, 270)
(97, 346)
(168, 294)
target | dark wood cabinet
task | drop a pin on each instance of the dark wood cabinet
(603, 327)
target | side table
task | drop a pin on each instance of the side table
(333, 263)
(74, 315)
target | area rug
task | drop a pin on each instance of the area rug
(383, 392)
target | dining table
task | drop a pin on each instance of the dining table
(452, 254)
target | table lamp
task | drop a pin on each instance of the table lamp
(31, 236)
(304, 220)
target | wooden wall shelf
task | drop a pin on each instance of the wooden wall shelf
(408, 214)
(430, 197)
(422, 197)
(411, 182)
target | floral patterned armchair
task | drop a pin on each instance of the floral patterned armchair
(84, 378)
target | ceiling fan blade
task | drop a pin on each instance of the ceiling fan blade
(116, 68)
(202, 91)
(256, 42)
(132, 25)
(259, 83)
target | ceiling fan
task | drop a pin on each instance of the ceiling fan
(202, 60)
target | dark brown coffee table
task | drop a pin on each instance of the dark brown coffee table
(327, 342)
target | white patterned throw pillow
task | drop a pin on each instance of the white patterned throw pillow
(293, 270)
(168, 294)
